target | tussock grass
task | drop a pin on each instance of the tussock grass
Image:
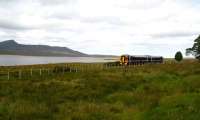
(155, 92)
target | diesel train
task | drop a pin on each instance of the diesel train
(136, 60)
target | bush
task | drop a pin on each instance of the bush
(178, 56)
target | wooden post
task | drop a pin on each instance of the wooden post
(8, 75)
(20, 74)
(48, 71)
(31, 72)
(40, 72)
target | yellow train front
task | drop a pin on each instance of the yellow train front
(136, 60)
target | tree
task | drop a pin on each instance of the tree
(195, 50)
(178, 56)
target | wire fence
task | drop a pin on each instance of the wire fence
(25, 72)
(49, 70)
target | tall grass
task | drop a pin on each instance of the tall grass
(154, 91)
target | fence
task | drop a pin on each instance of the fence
(23, 72)
(44, 70)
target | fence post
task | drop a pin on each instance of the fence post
(20, 74)
(8, 75)
(31, 72)
(40, 72)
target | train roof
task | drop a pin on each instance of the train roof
(141, 55)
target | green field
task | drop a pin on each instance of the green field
(149, 92)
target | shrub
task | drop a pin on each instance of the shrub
(178, 56)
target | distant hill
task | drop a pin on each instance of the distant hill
(11, 47)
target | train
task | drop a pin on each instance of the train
(139, 59)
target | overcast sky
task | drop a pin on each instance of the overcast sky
(150, 27)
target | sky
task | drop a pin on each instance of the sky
(111, 27)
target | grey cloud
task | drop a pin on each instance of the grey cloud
(8, 36)
(174, 34)
(84, 42)
(58, 19)
(103, 23)
(157, 45)
(9, 1)
(55, 2)
(149, 44)
(10, 4)
(109, 20)
(143, 5)
(64, 16)
(18, 26)
(10, 25)
(57, 40)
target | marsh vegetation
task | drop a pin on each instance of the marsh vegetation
(154, 91)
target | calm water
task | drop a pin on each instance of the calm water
(11, 60)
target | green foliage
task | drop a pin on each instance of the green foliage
(117, 63)
(149, 92)
(178, 56)
(178, 107)
(195, 50)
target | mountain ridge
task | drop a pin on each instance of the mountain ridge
(11, 47)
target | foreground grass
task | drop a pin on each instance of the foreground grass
(153, 92)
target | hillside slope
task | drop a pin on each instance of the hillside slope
(11, 47)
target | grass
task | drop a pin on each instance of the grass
(149, 92)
